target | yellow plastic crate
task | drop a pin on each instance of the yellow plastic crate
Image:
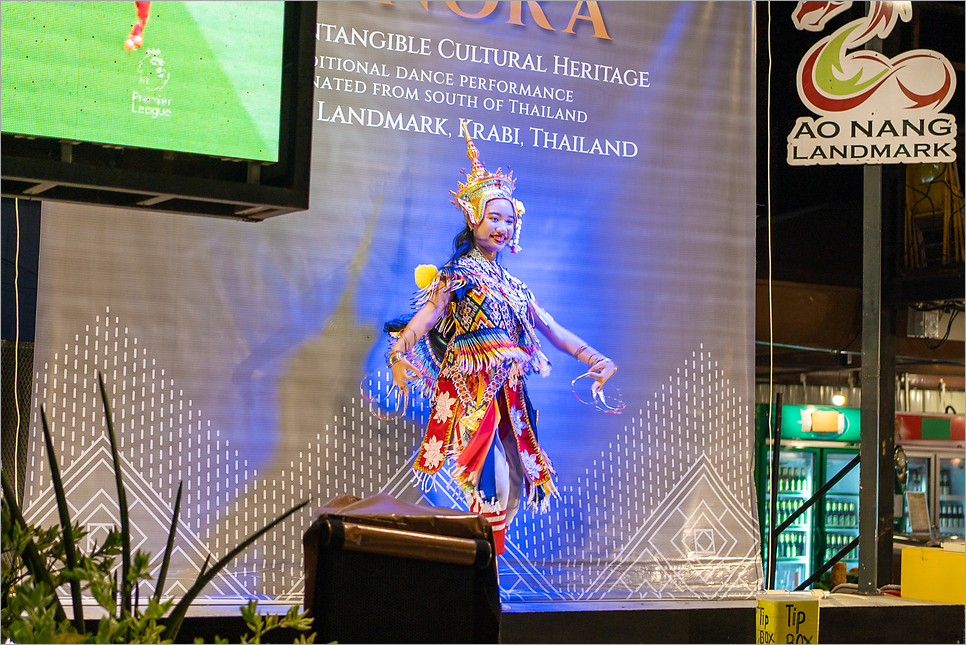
(933, 574)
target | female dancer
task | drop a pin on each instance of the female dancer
(472, 342)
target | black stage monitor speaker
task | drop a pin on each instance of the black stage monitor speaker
(384, 571)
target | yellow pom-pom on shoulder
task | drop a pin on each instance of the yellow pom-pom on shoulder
(425, 274)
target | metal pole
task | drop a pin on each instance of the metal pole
(871, 377)
(877, 441)
(776, 448)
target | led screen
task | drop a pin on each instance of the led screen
(198, 77)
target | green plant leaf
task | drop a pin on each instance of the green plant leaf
(31, 556)
(70, 551)
(31, 616)
(249, 612)
(159, 587)
(177, 616)
(140, 568)
(296, 619)
(121, 502)
(107, 630)
(111, 546)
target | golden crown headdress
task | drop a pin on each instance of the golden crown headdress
(481, 187)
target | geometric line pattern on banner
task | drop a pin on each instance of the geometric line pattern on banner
(602, 540)
(698, 543)
(149, 515)
(162, 440)
(696, 418)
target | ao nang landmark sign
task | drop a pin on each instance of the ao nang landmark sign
(872, 109)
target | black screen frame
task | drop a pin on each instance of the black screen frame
(179, 182)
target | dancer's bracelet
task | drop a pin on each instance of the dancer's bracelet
(394, 357)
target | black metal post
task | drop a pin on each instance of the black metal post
(870, 377)
(881, 203)
(773, 492)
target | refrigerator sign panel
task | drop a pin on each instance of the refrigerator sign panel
(936, 427)
(820, 423)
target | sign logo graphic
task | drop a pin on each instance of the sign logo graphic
(872, 108)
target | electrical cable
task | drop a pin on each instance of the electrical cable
(771, 324)
(16, 347)
(949, 328)
(771, 329)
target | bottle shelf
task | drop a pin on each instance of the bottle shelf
(794, 480)
(841, 514)
(951, 519)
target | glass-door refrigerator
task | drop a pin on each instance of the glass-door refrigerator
(952, 478)
(795, 545)
(933, 444)
(839, 523)
(817, 442)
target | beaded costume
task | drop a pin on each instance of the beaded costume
(474, 364)
(490, 346)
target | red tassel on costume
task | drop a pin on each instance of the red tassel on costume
(470, 460)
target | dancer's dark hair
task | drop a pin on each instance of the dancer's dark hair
(463, 243)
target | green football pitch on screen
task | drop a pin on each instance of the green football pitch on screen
(204, 77)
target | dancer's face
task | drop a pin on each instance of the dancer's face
(496, 230)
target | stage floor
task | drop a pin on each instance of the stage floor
(222, 607)
(843, 618)
(833, 600)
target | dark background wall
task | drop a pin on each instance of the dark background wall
(29, 243)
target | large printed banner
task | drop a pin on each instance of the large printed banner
(233, 352)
